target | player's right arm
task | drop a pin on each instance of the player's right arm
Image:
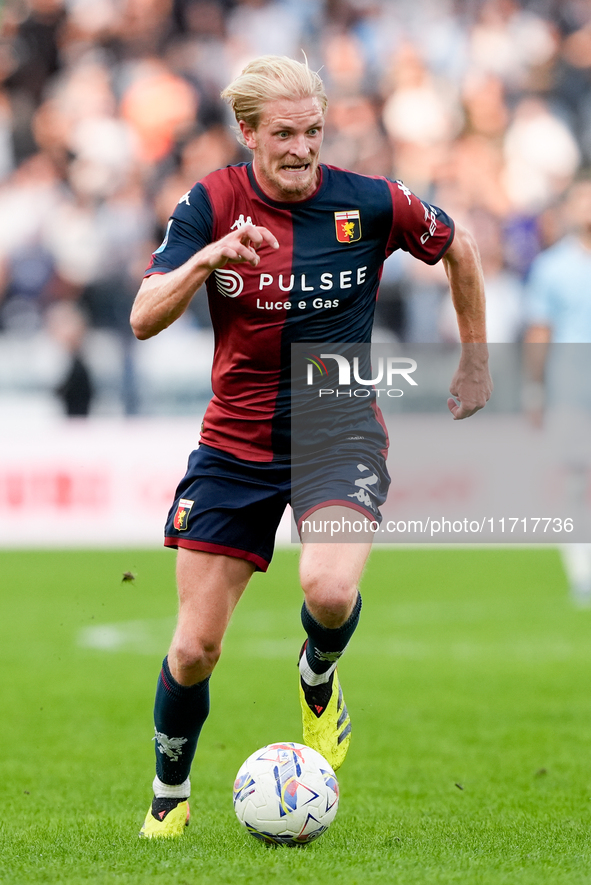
(163, 297)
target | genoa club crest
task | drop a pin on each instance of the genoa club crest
(181, 516)
(348, 226)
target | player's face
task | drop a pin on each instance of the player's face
(286, 146)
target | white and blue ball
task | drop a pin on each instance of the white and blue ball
(286, 794)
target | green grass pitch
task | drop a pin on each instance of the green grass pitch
(468, 683)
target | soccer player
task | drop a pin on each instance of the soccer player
(290, 250)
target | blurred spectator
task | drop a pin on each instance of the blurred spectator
(67, 325)
(160, 107)
(421, 119)
(32, 58)
(485, 105)
(201, 52)
(511, 42)
(345, 64)
(559, 286)
(264, 27)
(7, 156)
(559, 313)
(355, 138)
(28, 201)
(541, 156)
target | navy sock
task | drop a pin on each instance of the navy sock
(325, 646)
(179, 714)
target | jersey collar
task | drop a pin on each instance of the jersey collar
(284, 204)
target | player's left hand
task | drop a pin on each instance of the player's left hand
(471, 385)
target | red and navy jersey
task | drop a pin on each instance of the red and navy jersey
(320, 285)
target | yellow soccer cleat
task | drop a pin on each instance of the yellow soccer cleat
(325, 720)
(166, 819)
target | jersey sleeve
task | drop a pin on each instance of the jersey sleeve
(423, 230)
(189, 229)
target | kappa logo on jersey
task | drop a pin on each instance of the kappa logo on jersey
(348, 226)
(181, 517)
(241, 221)
(230, 284)
(405, 191)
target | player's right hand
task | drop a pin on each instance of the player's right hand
(161, 299)
(238, 247)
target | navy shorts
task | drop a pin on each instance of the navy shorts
(227, 505)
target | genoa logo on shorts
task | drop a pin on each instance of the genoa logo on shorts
(181, 516)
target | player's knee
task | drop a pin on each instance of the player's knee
(196, 657)
(329, 597)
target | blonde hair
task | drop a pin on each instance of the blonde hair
(269, 78)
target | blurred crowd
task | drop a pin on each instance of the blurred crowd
(110, 109)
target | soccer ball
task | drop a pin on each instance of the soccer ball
(286, 794)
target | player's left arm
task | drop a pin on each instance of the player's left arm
(471, 384)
